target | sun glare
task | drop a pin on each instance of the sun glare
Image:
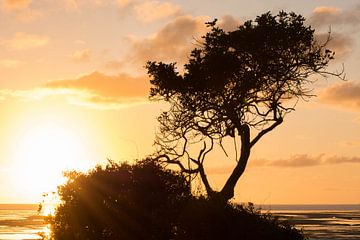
(43, 152)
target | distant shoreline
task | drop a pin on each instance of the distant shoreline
(34, 206)
(19, 206)
(304, 207)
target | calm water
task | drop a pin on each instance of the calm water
(332, 222)
(20, 222)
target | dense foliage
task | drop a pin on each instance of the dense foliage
(238, 84)
(119, 202)
(145, 201)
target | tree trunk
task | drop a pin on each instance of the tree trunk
(227, 191)
(205, 181)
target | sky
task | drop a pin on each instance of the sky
(74, 93)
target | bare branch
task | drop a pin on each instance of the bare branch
(266, 130)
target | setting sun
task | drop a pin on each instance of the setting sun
(43, 151)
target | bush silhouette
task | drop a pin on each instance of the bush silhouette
(119, 202)
(146, 201)
(204, 219)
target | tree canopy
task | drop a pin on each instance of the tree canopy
(238, 84)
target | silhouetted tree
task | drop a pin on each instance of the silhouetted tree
(234, 83)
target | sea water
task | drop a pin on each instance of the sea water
(21, 221)
(330, 222)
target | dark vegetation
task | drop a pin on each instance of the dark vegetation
(147, 201)
(237, 85)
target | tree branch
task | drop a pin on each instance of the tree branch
(265, 131)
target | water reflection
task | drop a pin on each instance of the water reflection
(22, 222)
(322, 224)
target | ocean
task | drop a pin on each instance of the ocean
(21, 222)
(330, 222)
(325, 222)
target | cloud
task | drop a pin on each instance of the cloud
(172, 43)
(325, 16)
(15, 5)
(229, 23)
(340, 159)
(344, 94)
(341, 23)
(149, 11)
(103, 90)
(304, 160)
(296, 161)
(95, 90)
(20, 9)
(82, 55)
(118, 86)
(300, 160)
(24, 41)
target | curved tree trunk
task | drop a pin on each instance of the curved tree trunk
(227, 191)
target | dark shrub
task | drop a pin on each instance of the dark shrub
(119, 202)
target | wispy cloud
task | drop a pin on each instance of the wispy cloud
(82, 55)
(20, 9)
(170, 43)
(325, 16)
(340, 22)
(95, 90)
(24, 41)
(304, 160)
(295, 161)
(174, 41)
(120, 86)
(15, 5)
(229, 23)
(344, 94)
(103, 91)
(300, 160)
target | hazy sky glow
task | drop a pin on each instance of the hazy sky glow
(73, 92)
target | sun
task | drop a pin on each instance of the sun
(43, 151)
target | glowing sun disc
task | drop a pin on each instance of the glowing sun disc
(43, 152)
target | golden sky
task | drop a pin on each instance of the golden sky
(73, 92)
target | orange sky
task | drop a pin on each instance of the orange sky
(73, 92)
